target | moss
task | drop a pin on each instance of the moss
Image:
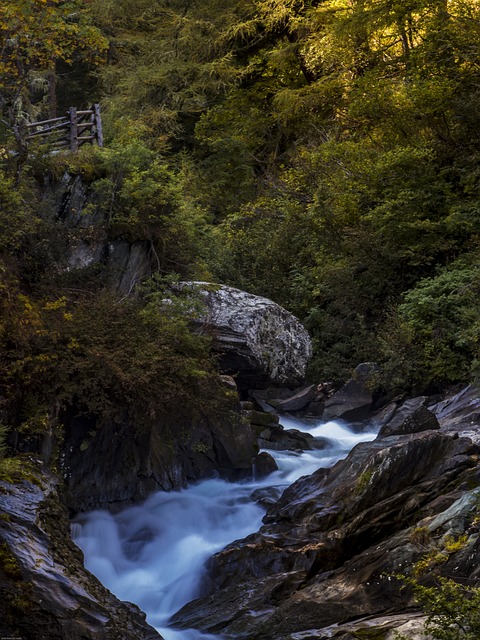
(200, 447)
(363, 481)
(19, 469)
(421, 537)
(439, 555)
(52, 517)
(8, 563)
(452, 544)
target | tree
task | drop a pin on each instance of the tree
(35, 34)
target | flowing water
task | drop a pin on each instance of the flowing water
(153, 554)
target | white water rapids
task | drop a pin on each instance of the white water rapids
(153, 554)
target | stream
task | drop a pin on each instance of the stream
(153, 554)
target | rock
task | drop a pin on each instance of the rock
(298, 401)
(128, 264)
(314, 409)
(385, 627)
(229, 382)
(259, 342)
(271, 394)
(264, 465)
(329, 546)
(351, 403)
(87, 244)
(460, 413)
(115, 464)
(277, 438)
(266, 496)
(261, 418)
(366, 373)
(45, 592)
(411, 417)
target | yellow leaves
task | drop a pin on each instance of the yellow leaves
(61, 303)
(38, 33)
(73, 344)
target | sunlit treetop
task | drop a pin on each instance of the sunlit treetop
(35, 34)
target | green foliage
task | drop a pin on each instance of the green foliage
(453, 609)
(363, 481)
(16, 213)
(103, 354)
(440, 320)
(322, 154)
(3, 440)
(35, 35)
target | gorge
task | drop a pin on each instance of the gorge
(239, 319)
(154, 554)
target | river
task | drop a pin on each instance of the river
(153, 553)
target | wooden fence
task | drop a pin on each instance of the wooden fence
(70, 131)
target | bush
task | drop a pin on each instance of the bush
(453, 610)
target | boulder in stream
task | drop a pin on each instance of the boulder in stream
(353, 401)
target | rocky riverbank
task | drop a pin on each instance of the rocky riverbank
(330, 546)
(45, 591)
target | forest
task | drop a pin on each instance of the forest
(324, 154)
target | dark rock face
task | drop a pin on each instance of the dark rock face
(298, 401)
(259, 342)
(124, 463)
(264, 465)
(352, 403)
(329, 545)
(277, 438)
(411, 417)
(45, 592)
(126, 264)
(460, 413)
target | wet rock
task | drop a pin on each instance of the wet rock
(264, 465)
(266, 496)
(262, 418)
(259, 342)
(411, 417)
(460, 413)
(298, 401)
(271, 395)
(353, 402)
(45, 592)
(277, 438)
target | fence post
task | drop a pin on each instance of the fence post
(98, 124)
(73, 129)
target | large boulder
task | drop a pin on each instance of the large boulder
(45, 591)
(258, 341)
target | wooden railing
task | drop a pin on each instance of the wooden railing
(70, 131)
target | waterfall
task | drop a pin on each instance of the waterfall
(153, 554)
